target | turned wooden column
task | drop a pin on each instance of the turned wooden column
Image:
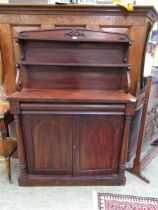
(130, 108)
(21, 151)
(122, 163)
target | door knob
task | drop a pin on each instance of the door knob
(74, 146)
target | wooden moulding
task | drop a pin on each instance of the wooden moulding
(148, 11)
(47, 180)
(76, 64)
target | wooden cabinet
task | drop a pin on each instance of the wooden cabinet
(136, 25)
(72, 108)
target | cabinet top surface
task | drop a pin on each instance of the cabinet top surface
(52, 6)
(59, 95)
(148, 11)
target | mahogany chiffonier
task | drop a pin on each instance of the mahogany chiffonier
(72, 108)
(136, 24)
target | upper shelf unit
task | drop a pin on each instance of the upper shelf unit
(73, 59)
(68, 46)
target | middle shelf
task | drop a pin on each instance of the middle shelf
(102, 65)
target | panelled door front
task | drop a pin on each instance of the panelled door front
(96, 144)
(72, 145)
(48, 142)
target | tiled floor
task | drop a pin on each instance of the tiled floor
(13, 197)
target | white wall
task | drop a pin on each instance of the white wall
(148, 2)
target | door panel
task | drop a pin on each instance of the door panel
(97, 143)
(48, 139)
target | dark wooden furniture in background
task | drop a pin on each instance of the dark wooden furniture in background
(7, 144)
(136, 24)
(148, 130)
(73, 108)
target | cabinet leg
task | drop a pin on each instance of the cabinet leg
(138, 174)
(8, 169)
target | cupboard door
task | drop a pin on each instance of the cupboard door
(48, 142)
(97, 144)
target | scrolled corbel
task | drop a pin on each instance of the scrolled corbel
(21, 48)
(17, 79)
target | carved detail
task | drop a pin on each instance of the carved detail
(125, 36)
(21, 48)
(128, 119)
(17, 118)
(125, 56)
(128, 80)
(21, 153)
(17, 79)
(23, 169)
(74, 33)
(24, 34)
(122, 168)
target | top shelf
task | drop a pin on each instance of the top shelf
(74, 40)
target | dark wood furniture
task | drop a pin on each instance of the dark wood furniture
(148, 134)
(73, 109)
(135, 24)
(8, 145)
